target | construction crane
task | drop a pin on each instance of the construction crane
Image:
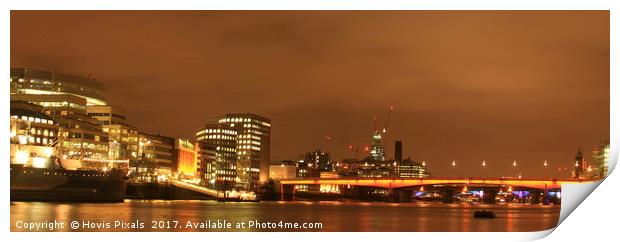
(387, 121)
(385, 130)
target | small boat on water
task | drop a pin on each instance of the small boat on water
(484, 214)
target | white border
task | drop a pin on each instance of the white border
(594, 219)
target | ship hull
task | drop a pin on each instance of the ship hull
(35, 184)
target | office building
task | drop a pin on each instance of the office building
(600, 158)
(217, 155)
(41, 82)
(123, 137)
(411, 169)
(282, 170)
(253, 147)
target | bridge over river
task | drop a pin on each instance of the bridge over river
(400, 189)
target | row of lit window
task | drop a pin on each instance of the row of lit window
(34, 140)
(225, 149)
(86, 145)
(43, 132)
(225, 172)
(36, 120)
(225, 178)
(224, 137)
(252, 126)
(219, 131)
(245, 147)
(245, 141)
(248, 136)
(234, 120)
(60, 104)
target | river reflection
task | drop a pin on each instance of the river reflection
(333, 216)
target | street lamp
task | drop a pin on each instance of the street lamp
(514, 165)
(545, 165)
(453, 168)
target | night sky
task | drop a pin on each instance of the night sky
(466, 86)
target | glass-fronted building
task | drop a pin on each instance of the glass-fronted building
(33, 81)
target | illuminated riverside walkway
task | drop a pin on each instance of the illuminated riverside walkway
(196, 188)
(233, 195)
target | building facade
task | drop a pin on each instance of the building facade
(411, 169)
(42, 82)
(282, 170)
(217, 156)
(253, 147)
(185, 158)
(600, 158)
(122, 136)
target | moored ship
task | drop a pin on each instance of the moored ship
(47, 184)
(41, 171)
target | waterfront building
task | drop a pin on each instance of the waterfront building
(411, 169)
(157, 147)
(80, 136)
(185, 158)
(217, 155)
(319, 160)
(122, 136)
(41, 82)
(312, 163)
(54, 102)
(253, 147)
(106, 114)
(286, 169)
(153, 159)
(305, 170)
(365, 168)
(600, 158)
(64, 98)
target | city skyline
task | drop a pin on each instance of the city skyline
(503, 118)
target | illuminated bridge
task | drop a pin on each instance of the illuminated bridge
(400, 189)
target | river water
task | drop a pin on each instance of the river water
(160, 215)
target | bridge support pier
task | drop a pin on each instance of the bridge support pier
(535, 196)
(448, 196)
(396, 195)
(489, 195)
(545, 197)
(405, 195)
(287, 192)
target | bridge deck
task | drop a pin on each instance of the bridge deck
(406, 182)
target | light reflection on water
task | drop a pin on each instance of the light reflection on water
(335, 215)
